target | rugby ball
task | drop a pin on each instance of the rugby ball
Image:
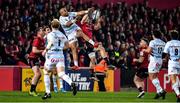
(96, 14)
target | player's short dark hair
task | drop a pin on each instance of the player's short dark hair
(45, 27)
(146, 40)
(38, 29)
(174, 34)
(157, 33)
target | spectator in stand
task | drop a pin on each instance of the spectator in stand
(2, 52)
(126, 24)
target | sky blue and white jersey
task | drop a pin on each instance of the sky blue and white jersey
(58, 40)
(64, 20)
(173, 49)
(157, 46)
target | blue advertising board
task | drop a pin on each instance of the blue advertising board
(81, 78)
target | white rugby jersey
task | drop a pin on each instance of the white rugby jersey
(64, 20)
(58, 40)
(173, 49)
(157, 46)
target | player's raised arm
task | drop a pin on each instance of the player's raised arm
(97, 26)
(84, 19)
(83, 12)
(64, 13)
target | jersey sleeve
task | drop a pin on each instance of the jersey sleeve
(35, 43)
(166, 49)
(63, 20)
(73, 14)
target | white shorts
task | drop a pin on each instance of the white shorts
(72, 37)
(173, 68)
(54, 61)
(154, 66)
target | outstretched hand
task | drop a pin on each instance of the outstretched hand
(90, 10)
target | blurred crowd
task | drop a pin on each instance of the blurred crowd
(122, 28)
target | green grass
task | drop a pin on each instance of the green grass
(84, 97)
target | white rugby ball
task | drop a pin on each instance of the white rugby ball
(96, 14)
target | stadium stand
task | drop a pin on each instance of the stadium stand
(122, 28)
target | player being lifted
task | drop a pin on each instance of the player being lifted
(142, 71)
(54, 58)
(34, 59)
(47, 30)
(89, 22)
(155, 49)
(172, 48)
(87, 26)
(72, 30)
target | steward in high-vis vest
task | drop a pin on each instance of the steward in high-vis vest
(100, 72)
(101, 67)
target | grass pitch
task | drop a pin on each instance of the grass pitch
(84, 97)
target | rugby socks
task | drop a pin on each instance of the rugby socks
(61, 83)
(140, 89)
(175, 87)
(65, 77)
(54, 80)
(91, 41)
(47, 83)
(33, 87)
(156, 83)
